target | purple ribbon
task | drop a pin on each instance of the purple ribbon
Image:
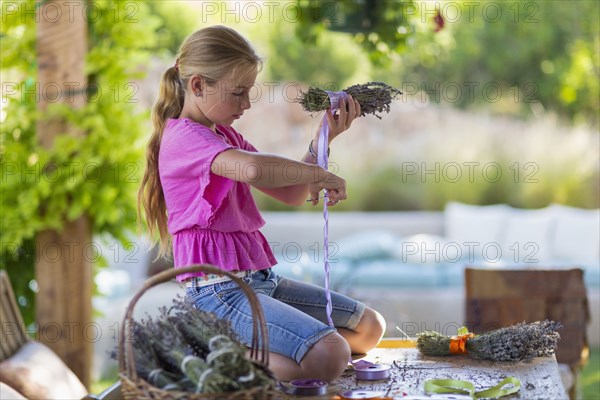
(309, 382)
(322, 160)
(366, 369)
(308, 387)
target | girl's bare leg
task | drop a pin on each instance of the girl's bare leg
(326, 360)
(367, 333)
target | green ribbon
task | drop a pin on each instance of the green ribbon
(440, 386)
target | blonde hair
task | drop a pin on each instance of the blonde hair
(214, 53)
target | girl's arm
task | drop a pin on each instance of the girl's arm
(293, 195)
(288, 180)
(296, 194)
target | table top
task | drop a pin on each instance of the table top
(539, 378)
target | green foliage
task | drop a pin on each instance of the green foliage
(474, 160)
(18, 263)
(520, 57)
(381, 28)
(579, 82)
(289, 59)
(590, 375)
(386, 189)
(174, 27)
(431, 184)
(539, 55)
(95, 172)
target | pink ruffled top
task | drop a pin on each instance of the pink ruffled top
(212, 219)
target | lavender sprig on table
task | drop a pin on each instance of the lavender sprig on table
(520, 342)
(373, 97)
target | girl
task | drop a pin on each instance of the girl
(196, 197)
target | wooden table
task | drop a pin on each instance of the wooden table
(540, 379)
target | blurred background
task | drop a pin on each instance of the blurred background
(500, 104)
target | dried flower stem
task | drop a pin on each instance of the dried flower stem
(373, 97)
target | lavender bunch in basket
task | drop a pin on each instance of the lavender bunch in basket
(520, 342)
(231, 361)
(226, 356)
(198, 328)
(187, 350)
(175, 367)
(178, 356)
(373, 97)
(148, 365)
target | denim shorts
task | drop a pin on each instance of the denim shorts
(294, 311)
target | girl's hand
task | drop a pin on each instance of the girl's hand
(335, 186)
(341, 121)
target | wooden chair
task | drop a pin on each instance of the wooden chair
(502, 297)
(111, 393)
(13, 334)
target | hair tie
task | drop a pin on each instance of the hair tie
(176, 66)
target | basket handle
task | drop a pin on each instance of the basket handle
(258, 317)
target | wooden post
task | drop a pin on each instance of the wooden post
(64, 275)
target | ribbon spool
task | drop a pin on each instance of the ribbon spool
(361, 394)
(307, 387)
(373, 372)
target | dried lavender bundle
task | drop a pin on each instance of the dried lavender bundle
(520, 342)
(229, 359)
(164, 380)
(213, 339)
(146, 358)
(147, 363)
(198, 328)
(168, 344)
(373, 97)
(185, 349)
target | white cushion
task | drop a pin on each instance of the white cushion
(8, 393)
(37, 372)
(527, 237)
(427, 249)
(369, 244)
(475, 228)
(576, 236)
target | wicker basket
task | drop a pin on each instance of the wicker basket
(133, 387)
